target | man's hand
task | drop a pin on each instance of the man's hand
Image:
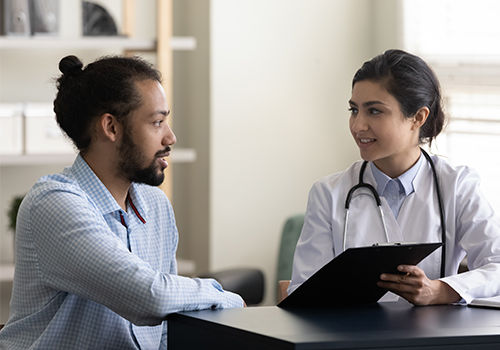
(413, 285)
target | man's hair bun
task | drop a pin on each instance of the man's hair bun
(70, 65)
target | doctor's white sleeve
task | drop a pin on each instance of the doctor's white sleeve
(315, 245)
(478, 233)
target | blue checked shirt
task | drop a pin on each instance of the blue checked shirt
(92, 276)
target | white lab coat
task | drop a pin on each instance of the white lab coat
(471, 226)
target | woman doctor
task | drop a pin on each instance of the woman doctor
(395, 107)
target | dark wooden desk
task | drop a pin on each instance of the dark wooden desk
(380, 326)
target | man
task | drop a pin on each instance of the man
(95, 245)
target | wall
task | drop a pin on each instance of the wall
(191, 123)
(387, 26)
(280, 82)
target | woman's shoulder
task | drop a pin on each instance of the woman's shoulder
(451, 171)
(342, 179)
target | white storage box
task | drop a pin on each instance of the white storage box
(11, 128)
(43, 135)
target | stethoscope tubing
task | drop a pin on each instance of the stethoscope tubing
(379, 206)
(441, 212)
(362, 184)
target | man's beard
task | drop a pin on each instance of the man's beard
(130, 160)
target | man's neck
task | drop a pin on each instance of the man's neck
(106, 171)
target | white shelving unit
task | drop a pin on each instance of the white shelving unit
(18, 171)
(6, 272)
(117, 43)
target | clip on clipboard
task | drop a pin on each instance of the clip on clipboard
(351, 277)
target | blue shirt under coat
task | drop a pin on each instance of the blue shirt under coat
(396, 190)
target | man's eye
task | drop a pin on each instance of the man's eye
(374, 111)
(158, 122)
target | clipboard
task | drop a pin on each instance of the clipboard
(351, 277)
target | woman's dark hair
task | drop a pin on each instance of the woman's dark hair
(104, 86)
(412, 82)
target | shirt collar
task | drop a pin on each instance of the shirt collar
(138, 202)
(99, 194)
(93, 187)
(405, 180)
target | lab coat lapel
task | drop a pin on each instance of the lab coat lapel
(419, 214)
(419, 218)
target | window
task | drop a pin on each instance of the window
(459, 40)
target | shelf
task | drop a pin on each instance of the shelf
(179, 155)
(37, 159)
(177, 43)
(6, 272)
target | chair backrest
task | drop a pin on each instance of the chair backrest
(289, 237)
(247, 282)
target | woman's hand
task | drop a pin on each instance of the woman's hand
(413, 285)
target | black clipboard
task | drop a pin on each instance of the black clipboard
(351, 277)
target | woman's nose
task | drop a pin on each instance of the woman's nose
(359, 123)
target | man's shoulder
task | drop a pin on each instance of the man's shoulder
(62, 182)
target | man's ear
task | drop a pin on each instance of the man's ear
(420, 117)
(109, 127)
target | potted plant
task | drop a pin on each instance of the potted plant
(12, 212)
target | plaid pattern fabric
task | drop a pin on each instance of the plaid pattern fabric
(90, 275)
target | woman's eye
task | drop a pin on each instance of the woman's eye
(374, 111)
(353, 110)
(157, 122)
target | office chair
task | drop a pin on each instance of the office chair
(247, 282)
(289, 237)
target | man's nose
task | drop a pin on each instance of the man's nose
(169, 138)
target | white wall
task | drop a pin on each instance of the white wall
(280, 81)
(191, 123)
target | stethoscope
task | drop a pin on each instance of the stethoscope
(363, 184)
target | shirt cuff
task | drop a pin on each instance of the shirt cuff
(229, 299)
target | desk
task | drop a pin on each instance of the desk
(380, 326)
